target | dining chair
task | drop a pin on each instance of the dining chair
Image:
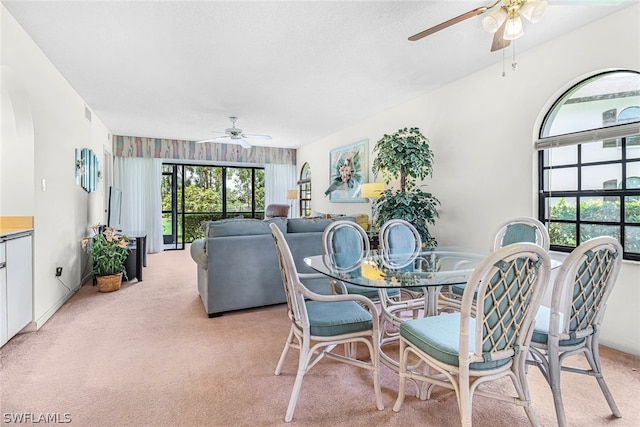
(572, 323)
(462, 350)
(521, 229)
(349, 244)
(516, 230)
(319, 323)
(400, 246)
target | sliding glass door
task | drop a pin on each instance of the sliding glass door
(172, 206)
(192, 194)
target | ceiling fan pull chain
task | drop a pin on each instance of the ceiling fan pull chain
(514, 63)
(504, 73)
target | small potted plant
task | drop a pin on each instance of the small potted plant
(109, 250)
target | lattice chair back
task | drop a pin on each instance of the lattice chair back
(296, 308)
(583, 286)
(400, 243)
(488, 339)
(505, 292)
(520, 230)
(571, 325)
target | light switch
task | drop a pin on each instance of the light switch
(43, 184)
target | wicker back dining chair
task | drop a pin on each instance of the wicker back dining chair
(400, 246)
(521, 229)
(319, 323)
(464, 349)
(400, 243)
(349, 244)
(516, 230)
(571, 325)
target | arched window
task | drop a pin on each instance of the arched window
(304, 186)
(589, 163)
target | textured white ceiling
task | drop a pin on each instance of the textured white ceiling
(297, 70)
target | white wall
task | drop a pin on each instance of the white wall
(481, 130)
(16, 151)
(57, 115)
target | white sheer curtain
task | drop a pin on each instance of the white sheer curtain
(277, 180)
(140, 179)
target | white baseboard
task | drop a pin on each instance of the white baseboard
(52, 310)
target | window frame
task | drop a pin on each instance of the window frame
(621, 133)
(304, 190)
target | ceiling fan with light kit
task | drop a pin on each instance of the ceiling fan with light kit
(504, 19)
(234, 135)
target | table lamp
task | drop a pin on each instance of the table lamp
(291, 196)
(371, 191)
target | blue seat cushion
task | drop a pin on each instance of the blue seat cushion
(457, 289)
(337, 318)
(371, 293)
(439, 337)
(541, 329)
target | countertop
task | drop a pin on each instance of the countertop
(12, 225)
(11, 231)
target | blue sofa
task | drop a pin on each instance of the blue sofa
(238, 266)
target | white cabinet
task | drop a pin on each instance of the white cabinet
(16, 284)
(3, 294)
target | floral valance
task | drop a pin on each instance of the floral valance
(134, 146)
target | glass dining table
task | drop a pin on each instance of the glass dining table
(430, 270)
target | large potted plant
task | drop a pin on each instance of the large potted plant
(109, 250)
(405, 157)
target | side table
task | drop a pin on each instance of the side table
(141, 250)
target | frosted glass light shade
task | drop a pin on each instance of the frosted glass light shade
(372, 190)
(514, 29)
(534, 10)
(494, 20)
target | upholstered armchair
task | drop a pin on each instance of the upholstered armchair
(276, 210)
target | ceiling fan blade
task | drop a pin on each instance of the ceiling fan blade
(243, 143)
(450, 22)
(211, 139)
(499, 42)
(255, 135)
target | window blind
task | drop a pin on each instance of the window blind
(619, 131)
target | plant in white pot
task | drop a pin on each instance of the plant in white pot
(405, 157)
(109, 250)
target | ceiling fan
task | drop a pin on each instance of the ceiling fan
(505, 19)
(236, 135)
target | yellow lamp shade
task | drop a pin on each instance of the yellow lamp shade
(372, 190)
(292, 194)
(371, 271)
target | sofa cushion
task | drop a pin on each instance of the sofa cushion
(242, 227)
(307, 225)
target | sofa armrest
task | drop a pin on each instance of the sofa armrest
(199, 252)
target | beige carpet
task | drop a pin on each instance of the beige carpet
(147, 355)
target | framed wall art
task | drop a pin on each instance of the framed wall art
(348, 170)
(87, 169)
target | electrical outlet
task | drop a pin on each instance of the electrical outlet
(58, 271)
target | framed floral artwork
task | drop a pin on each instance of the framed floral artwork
(348, 169)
